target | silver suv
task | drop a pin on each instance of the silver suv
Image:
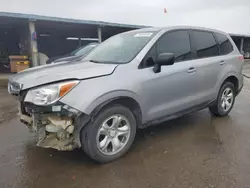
(130, 81)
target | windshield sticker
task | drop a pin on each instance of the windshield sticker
(143, 34)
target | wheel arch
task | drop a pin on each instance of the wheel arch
(126, 101)
(233, 79)
(125, 98)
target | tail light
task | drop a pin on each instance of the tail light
(241, 58)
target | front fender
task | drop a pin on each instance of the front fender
(89, 94)
(109, 97)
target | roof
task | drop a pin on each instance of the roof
(239, 35)
(147, 29)
(181, 27)
(203, 28)
(67, 20)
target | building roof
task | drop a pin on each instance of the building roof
(78, 21)
(67, 20)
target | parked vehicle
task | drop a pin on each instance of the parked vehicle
(75, 55)
(130, 81)
(247, 55)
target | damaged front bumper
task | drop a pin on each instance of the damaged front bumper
(56, 126)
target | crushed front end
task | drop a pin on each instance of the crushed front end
(55, 124)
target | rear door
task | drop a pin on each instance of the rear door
(208, 63)
(229, 58)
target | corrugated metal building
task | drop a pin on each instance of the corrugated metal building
(28, 34)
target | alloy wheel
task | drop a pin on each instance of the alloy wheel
(113, 134)
(227, 99)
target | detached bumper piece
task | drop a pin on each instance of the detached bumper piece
(54, 130)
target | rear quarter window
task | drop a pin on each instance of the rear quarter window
(225, 46)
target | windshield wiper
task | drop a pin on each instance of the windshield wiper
(103, 62)
(94, 61)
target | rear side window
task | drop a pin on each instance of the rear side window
(224, 44)
(205, 44)
(176, 42)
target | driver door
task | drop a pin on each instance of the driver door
(174, 89)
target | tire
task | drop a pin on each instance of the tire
(95, 133)
(218, 109)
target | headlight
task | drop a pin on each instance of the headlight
(49, 94)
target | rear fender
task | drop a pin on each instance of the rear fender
(227, 76)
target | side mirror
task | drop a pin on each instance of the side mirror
(164, 59)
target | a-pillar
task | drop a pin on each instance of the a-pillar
(99, 34)
(242, 45)
(33, 43)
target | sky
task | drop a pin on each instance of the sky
(227, 15)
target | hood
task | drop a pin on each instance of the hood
(61, 71)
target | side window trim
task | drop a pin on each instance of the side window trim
(141, 66)
(192, 44)
(218, 46)
(217, 42)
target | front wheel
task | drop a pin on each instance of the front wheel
(110, 135)
(225, 100)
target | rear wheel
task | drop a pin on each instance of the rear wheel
(225, 100)
(110, 135)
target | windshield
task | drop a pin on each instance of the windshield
(75, 51)
(83, 50)
(120, 48)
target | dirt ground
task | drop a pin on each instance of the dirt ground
(194, 151)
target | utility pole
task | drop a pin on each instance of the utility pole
(241, 46)
(99, 34)
(33, 43)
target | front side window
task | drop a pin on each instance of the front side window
(121, 48)
(205, 44)
(224, 44)
(176, 42)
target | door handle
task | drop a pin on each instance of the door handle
(191, 70)
(222, 62)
